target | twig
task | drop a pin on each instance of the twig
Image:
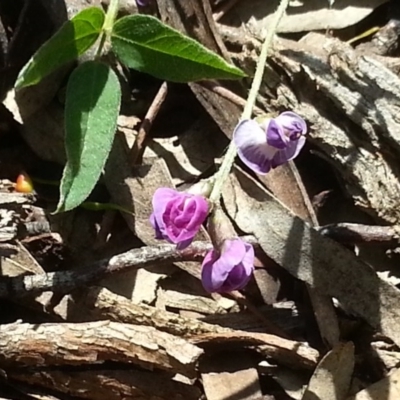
(349, 233)
(139, 144)
(227, 94)
(68, 281)
(224, 9)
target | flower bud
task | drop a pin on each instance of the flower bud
(177, 217)
(228, 269)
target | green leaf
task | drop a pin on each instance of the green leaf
(91, 110)
(146, 44)
(69, 42)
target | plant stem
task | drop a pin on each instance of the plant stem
(229, 158)
(110, 16)
(108, 25)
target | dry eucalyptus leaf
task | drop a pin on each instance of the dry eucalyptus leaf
(291, 382)
(307, 15)
(332, 377)
(317, 260)
(386, 389)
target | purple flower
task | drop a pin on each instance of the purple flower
(274, 142)
(229, 270)
(142, 3)
(177, 217)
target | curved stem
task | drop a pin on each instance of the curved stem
(229, 158)
(110, 16)
(108, 25)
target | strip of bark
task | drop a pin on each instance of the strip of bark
(50, 344)
(288, 352)
(110, 384)
(103, 304)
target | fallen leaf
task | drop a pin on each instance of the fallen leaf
(308, 15)
(386, 389)
(332, 377)
(317, 260)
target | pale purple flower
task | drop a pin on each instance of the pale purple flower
(270, 144)
(177, 217)
(142, 3)
(230, 269)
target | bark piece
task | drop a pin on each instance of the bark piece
(93, 343)
(111, 384)
(288, 352)
(319, 261)
(230, 376)
(9, 199)
(146, 283)
(99, 303)
(189, 302)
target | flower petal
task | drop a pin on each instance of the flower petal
(276, 135)
(160, 200)
(240, 275)
(154, 224)
(233, 251)
(211, 281)
(184, 217)
(252, 147)
(289, 153)
(231, 270)
(236, 280)
(293, 124)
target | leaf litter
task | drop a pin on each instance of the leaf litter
(320, 320)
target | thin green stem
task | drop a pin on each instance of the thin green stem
(230, 155)
(111, 16)
(108, 25)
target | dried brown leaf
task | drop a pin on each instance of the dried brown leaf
(319, 261)
(301, 16)
(332, 377)
(386, 389)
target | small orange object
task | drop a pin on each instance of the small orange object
(24, 184)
